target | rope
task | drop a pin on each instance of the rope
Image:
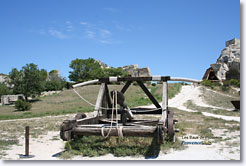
(155, 109)
(112, 119)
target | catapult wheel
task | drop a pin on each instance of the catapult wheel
(170, 125)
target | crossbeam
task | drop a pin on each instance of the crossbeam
(151, 97)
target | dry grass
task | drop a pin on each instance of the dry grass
(197, 124)
(218, 99)
(190, 105)
(68, 102)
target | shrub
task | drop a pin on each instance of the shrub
(226, 83)
(21, 105)
(235, 82)
(207, 83)
(184, 83)
(4, 90)
(153, 84)
(225, 88)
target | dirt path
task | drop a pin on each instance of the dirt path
(194, 94)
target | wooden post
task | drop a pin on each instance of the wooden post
(99, 99)
(164, 101)
(27, 142)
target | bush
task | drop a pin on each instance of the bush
(153, 84)
(207, 83)
(21, 105)
(235, 82)
(226, 83)
(225, 88)
(4, 90)
(184, 83)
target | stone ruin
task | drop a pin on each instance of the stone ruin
(134, 71)
(10, 99)
(228, 64)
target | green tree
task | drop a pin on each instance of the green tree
(85, 69)
(115, 72)
(29, 81)
(4, 90)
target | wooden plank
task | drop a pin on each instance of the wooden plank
(128, 83)
(99, 99)
(146, 131)
(163, 78)
(89, 120)
(164, 101)
(140, 111)
(104, 103)
(149, 94)
(108, 97)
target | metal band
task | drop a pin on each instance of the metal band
(113, 79)
(156, 78)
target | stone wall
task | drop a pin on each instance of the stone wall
(10, 99)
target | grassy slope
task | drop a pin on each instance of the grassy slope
(68, 102)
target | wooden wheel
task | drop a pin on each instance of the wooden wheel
(170, 125)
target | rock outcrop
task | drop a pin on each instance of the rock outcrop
(4, 79)
(134, 71)
(228, 64)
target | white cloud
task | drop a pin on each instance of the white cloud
(57, 34)
(112, 10)
(69, 26)
(105, 33)
(90, 34)
(83, 23)
(122, 28)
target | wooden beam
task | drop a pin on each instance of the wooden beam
(108, 97)
(99, 99)
(163, 78)
(128, 83)
(149, 94)
(146, 131)
(164, 101)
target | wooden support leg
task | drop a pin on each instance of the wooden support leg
(128, 83)
(164, 101)
(99, 99)
(149, 94)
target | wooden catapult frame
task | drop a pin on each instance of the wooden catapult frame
(87, 126)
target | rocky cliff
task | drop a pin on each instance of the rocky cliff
(228, 63)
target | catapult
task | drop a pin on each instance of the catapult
(109, 120)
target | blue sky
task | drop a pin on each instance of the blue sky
(176, 37)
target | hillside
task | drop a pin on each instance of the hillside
(67, 101)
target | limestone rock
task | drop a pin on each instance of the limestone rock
(134, 71)
(228, 64)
